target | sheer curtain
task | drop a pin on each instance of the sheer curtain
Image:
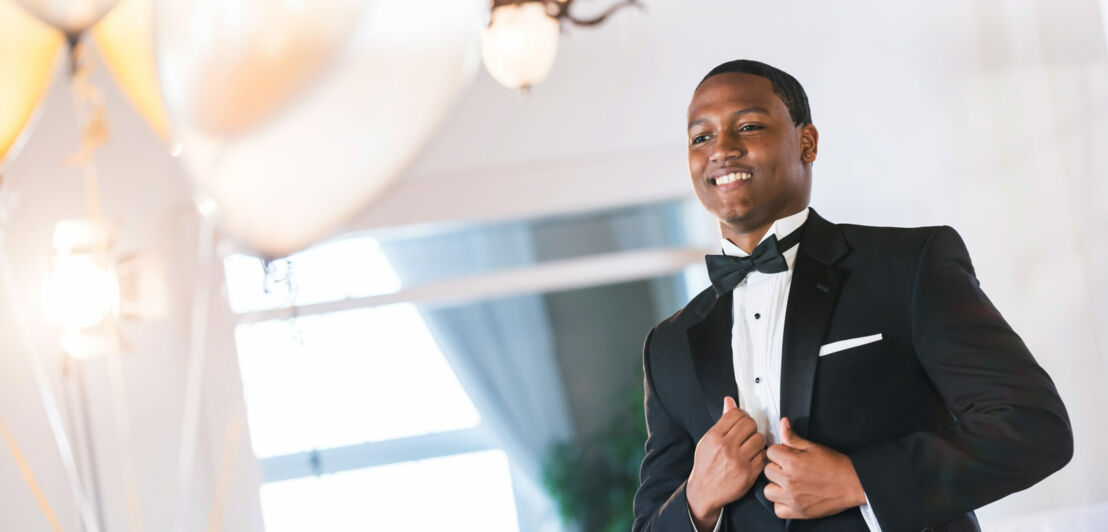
(502, 351)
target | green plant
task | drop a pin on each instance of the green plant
(594, 479)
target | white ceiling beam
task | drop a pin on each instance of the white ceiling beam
(553, 276)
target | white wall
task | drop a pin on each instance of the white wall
(986, 115)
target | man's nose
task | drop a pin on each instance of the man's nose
(727, 146)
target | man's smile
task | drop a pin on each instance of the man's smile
(733, 177)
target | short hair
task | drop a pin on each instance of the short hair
(785, 86)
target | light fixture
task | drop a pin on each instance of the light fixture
(521, 41)
(91, 291)
(83, 290)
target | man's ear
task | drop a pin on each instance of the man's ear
(809, 143)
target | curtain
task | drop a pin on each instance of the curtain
(501, 350)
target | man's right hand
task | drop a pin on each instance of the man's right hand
(727, 461)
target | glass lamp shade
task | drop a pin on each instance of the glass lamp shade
(83, 344)
(82, 292)
(520, 44)
(81, 235)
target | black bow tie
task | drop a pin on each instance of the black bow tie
(727, 271)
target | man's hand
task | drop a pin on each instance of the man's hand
(809, 480)
(728, 459)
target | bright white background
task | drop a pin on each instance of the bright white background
(990, 116)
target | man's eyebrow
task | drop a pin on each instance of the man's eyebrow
(754, 109)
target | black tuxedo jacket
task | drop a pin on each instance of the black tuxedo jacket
(946, 413)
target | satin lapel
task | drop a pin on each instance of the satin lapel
(710, 343)
(815, 288)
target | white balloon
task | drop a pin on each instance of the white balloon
(71, 16)
(293, 115)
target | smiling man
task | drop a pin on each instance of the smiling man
(834, 377)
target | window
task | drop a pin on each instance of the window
(357, 417)
(434, 494)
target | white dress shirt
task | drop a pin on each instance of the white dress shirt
(757, 333)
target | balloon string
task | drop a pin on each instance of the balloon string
(194, 374)
(91, 111)
(91, 114)
(88, 102)
(123, 435)
(228, 458)
(79, 425)
(29, 477)
(42, 381)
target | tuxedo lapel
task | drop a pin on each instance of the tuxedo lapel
(710, 344)
(815, 287)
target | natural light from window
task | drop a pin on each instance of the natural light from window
(347, 377)
(342, 269)
(462, 492)
(334, 378)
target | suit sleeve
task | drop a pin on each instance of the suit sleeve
(1010, 429)
(660, 503)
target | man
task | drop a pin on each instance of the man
(891, 393)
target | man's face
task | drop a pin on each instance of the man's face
(749, 164)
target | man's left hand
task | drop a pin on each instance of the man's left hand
(809, 480)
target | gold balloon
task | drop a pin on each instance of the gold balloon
(126, 41)
(28, 52)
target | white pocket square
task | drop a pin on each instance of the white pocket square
(835, 347)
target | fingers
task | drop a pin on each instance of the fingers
(775, 473)
(776, 494)
(729, 404)
(742, 429)
(785, 429)
(728, 419)
(790, 437)
(785, 512)
(753, 445)
(780, 454)
(759, 460)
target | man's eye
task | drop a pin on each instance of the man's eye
(750, 127)
(699, 138)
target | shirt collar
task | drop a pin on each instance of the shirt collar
(780, 228)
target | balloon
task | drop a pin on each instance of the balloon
(28, 52)
(126, 41)
(263, 53)
(71, 16)
(295, 115)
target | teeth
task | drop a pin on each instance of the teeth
(732, 177)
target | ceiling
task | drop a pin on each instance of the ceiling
(888, 83)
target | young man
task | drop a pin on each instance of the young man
(834, 377)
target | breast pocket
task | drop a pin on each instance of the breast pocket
(856, 380)
(849, 343)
